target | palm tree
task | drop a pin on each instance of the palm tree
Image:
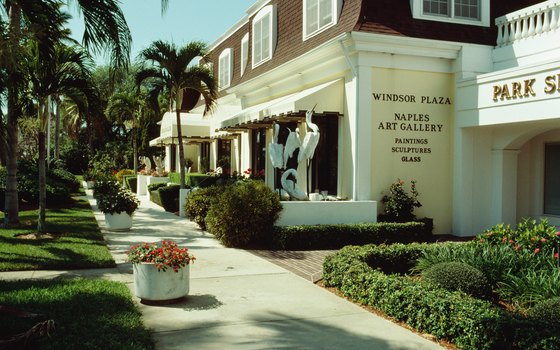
(126, 108)
(67, 73)
(172, 69)
(105, 30)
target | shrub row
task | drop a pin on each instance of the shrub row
(166, 196)
(130, 182)
(337, 236)
(194, 180)
(468, 322)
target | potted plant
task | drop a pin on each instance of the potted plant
(118, 204)
(89, 178)
(161, 271)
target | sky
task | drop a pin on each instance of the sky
(184, 21)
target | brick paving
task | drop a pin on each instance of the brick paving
(306, 264)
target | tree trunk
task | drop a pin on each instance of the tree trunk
(44, 115)
(3, 145)
(178, 101)
(57, 127)
(11, 204)
(135, 148)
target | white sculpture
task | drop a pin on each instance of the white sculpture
(147, 162)
(160, 168)
(292, 143)
(276, 150)
(290, 185)
(310, 140)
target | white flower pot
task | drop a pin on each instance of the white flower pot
(118, 221)
(153, 285)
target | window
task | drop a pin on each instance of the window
(244, 52)
(551, 176)
(319, 15)
(474, 12)
(264, 35)
(225, 68)
(258, 149)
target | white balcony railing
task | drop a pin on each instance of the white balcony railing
(529, 22)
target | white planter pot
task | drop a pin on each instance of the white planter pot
(88, 185)
(118, 221)
(141, 181)
(183, 195)
(153, 285)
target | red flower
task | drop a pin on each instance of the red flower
(537, 250)
(543, 240)
(555, 255)
(558, 234)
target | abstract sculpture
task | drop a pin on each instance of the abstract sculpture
(276, 150)
(292, 143)
(290, 185)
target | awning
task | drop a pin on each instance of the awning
(193, 127)
(164, 141)
(327, 98)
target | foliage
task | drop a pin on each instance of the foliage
(75, 156)
(65, 177)
(456, 275)
(528, 287)
(467, 322)
(130, 182)
(244, 213)
(547, 311)
(528, 235)
(121, 200)
(77, 242)
(310, 237)
(156, 186)
(112, 322)
(169, 197)
(199, 202)
(119, 175)
(105, 185)
(399, 205)
(163, 254)
(194, 180)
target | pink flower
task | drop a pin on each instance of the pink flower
(555, 255)
(511, 241)
(558, 234)
(537, 250)
(481, 240)
(543, 240)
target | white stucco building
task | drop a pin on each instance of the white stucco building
(462, 96)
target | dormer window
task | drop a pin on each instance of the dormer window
(264, 35)
(319, 15)
(473, 12)
(225, 68)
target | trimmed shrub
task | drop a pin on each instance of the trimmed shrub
(169, 197)
(244, 214)
(467, 322)
(336, 236)
(121, 173)
(456, 275)
(64, 177)
(194, 179)
(130, 182)
(547, 311)
(200, 201)
(156, 186)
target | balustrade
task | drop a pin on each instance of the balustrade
(529, 22)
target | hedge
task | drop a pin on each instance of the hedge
(169, 197)
(305, 237)
(194, 179)
(467, 322)
(130, 182)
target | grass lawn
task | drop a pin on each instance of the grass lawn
(88, 314)
(76, 243)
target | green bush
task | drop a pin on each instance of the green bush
(169, 197)
(105, 185)
(528, 287)
(304, 237)
(244, 214)
(156, 186)
(467, 322)
(194, 179)
(130, 182)
(456, 275)
(199, 202)
(399, 205)
(547, 311)
(121, 173)
(64, 177)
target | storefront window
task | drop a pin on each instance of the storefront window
(551, 176)
(324, 167)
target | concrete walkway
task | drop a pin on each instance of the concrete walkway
(239, 300)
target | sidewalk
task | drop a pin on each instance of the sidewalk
(239, 300)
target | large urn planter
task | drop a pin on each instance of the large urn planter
(118, 221)
(161, 271)
(151, 285)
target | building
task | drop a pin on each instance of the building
(460, 95)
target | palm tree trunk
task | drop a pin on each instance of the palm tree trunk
(57, 127)
(135, 148)
(11, 204)
(178, 99)
(3, 153)
(44, 115)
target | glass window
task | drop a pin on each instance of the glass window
(319, 15)
(244, 52)
(264, 35)
(225, 68)
(474, 12)
(551, 176)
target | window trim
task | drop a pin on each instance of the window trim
(266, 10)
(244, 53)
(336, 8)
(228, 55)
(484, 21)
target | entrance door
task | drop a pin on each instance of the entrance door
(551, 182)
(324, 167)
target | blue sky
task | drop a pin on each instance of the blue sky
(184, 21)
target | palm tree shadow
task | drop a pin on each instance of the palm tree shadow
(196, 303)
